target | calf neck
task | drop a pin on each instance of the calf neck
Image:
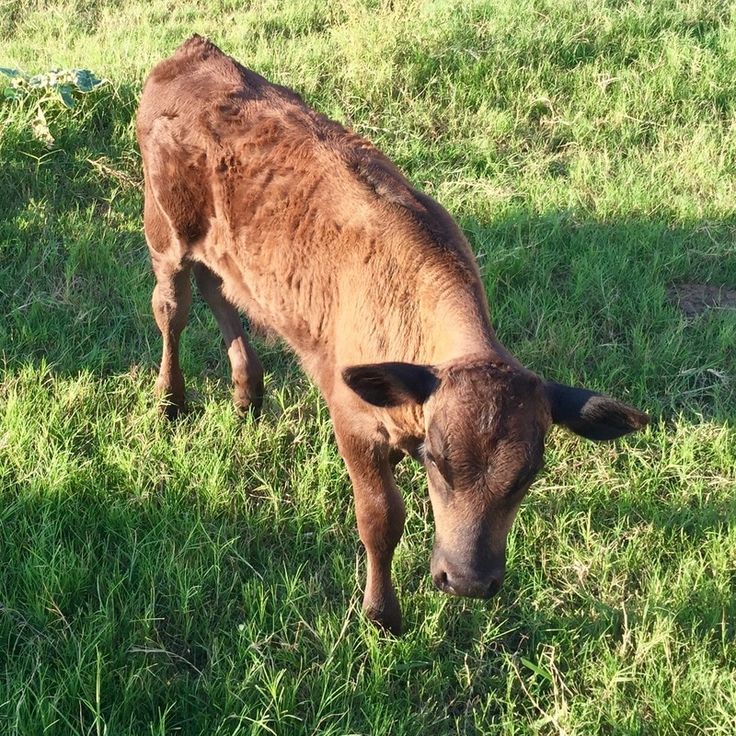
(289, 217)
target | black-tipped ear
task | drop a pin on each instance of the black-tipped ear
(391, 384)
(592, 415)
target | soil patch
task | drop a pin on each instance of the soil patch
(696, 299)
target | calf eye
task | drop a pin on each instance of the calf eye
(441, 466)
(525, 477)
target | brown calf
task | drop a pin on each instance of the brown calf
(314, 233)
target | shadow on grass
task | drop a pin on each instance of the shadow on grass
(581, 302)
(578, 300)
(190, 603)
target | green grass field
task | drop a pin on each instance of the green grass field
(205, 577)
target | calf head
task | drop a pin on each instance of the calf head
(483, 444)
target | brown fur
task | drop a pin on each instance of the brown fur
(315, 234)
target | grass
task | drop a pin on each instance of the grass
(204, 578)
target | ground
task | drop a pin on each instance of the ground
(205, 577)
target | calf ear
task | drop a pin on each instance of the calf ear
(391, 384)
(592, 415)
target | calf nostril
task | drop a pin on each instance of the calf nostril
(441, 581)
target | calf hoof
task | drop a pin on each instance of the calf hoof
(245, 406)
(386, 617)
(172, 403)
(171, 410)
(248, 401)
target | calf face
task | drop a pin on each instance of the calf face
(485, 425)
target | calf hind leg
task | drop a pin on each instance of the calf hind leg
(172, 298)
(246, 368)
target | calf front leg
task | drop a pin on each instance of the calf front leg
(379, 509)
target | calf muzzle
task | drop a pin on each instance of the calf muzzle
(465, 582)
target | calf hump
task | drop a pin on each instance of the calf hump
(190, 55)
